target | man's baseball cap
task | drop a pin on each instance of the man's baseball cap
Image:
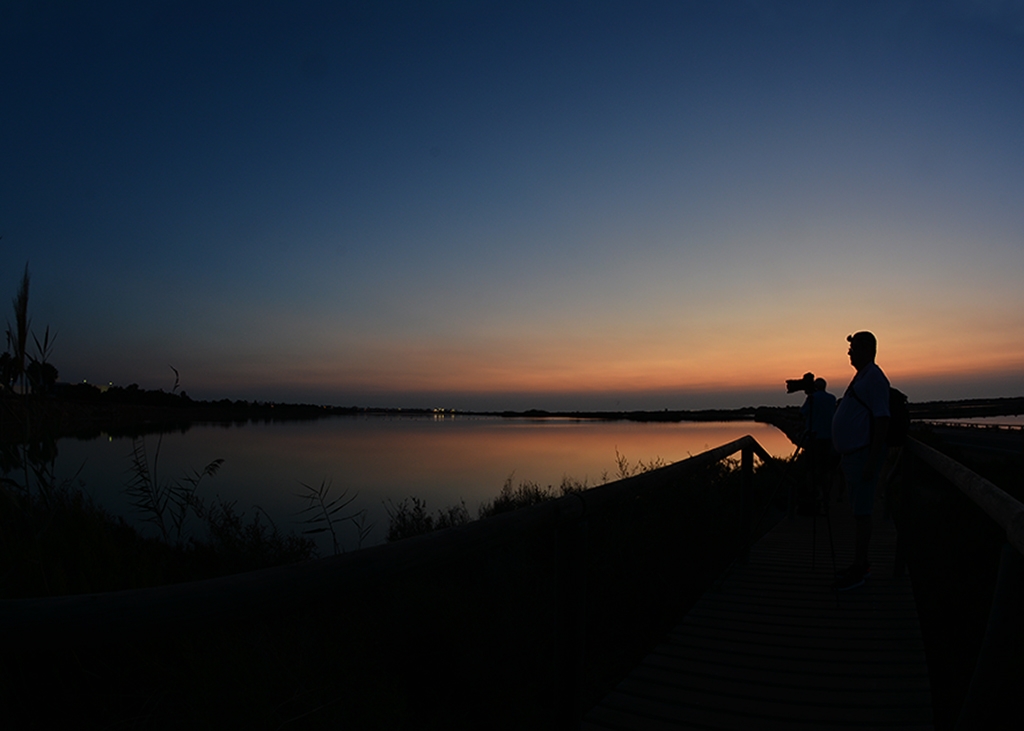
(863, 338)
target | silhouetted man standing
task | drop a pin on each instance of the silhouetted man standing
(858, 433)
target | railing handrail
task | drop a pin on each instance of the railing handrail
(971, 425)
(272, 588)
(1006, 511)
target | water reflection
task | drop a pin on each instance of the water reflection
(440, 460)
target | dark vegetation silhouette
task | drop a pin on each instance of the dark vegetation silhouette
(324, 513)
(410, 516)
(462, 643)
(55, 540)
(467, 642)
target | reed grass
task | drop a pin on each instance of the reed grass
(410, 517)
(624, 469)
(54, 540)
(166, 504)
(323, 513)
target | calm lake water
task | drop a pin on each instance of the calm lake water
(382, 459)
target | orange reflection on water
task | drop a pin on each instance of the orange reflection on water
(470, 457)
(387, 459)
(465, 459)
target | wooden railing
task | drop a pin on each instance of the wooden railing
(998, 656)
(1003, 509)
(974, 425)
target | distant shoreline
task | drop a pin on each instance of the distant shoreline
(132, 413)
(743, 414)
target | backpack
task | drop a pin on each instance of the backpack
(899, 417)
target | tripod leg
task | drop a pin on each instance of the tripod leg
(814, 538)
(814, 490)
(784, 476)
(831, 545)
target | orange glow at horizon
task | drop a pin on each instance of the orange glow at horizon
(744, 336)
(738, 363)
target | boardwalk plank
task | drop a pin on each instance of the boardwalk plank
(771, 646)
(796, 631)
(611, 718)
(826, 664)
(734, 646)
(784, 622)
(743, 718)
(851, 706)
(824, 641)
(796, 685)
(781, 696)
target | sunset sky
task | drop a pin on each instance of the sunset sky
(489, 205)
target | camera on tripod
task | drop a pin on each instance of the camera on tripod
(800, 384)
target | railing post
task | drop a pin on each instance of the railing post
(746, 500)
(988, 698)
(792, 493)
(570, 618)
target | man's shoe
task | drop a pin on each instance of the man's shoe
(852, 577)
(849, 582)
(864, 571)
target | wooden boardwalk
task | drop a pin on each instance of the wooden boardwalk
(771, 646)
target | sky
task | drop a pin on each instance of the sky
(497, 205)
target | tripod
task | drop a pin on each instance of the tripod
(822, 497)
(814, 526)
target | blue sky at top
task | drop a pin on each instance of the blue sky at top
(498, 204)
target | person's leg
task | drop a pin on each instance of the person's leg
(862, 541)
(862, 498)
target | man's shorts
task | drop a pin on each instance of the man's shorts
(861, 491)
